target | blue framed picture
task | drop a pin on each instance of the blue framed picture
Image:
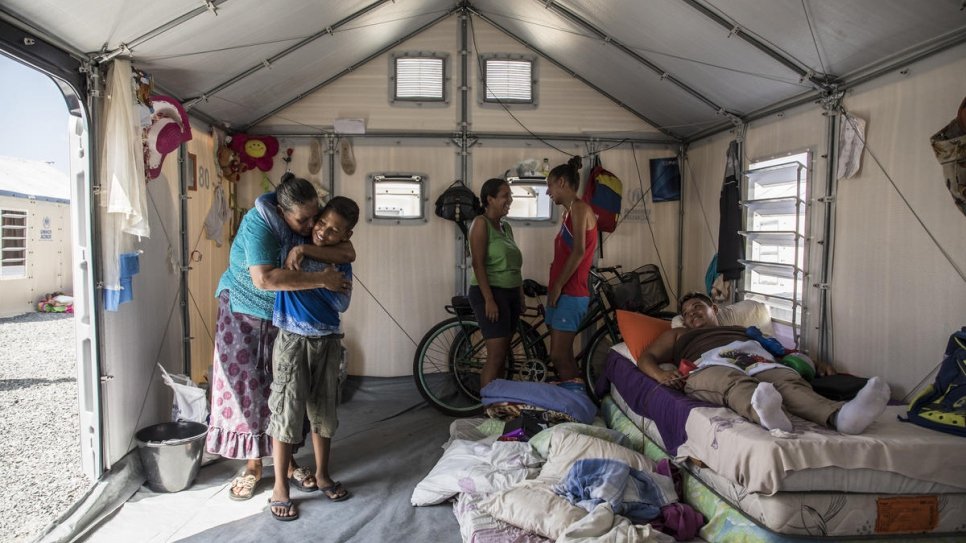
(665, 180)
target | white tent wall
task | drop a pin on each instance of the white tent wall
(148, 329)
(894, 296)
(405, 274)
(48, 255)
(207, 260)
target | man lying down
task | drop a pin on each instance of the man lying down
(737, 372)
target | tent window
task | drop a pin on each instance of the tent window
(419, 77)
(13, 244)
(774, 229)
(397, 197)
(530, 200)
(508, 80)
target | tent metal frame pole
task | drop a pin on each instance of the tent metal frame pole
(478, 136)
(682, 157)
(856, 78)
(351, 68)
(330, 141)
(580, 21)
(576, 76)
(462, 244)
(833, 113)
(128, 48)
(792, 64)
(185, 260)
(285, 52)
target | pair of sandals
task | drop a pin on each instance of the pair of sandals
(336, 488)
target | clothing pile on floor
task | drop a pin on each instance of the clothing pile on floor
(56, 302)
(572, 482)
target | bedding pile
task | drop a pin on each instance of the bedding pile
(571, 483)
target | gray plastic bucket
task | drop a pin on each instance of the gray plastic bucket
(171, 454)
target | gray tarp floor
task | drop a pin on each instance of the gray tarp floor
(388, 440)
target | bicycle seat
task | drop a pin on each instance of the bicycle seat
(460, 303)
(533, 289)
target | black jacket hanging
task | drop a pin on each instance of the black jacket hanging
(731, 247)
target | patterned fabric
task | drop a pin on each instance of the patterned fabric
(949, 145)
(241, 384)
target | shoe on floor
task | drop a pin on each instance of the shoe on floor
(288, 504)
(299, 475)
(243, 487)
(346, 157)
(336, 492)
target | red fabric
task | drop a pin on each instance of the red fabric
(562, 247)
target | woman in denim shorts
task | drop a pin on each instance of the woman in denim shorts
(496, 292)
(573, 252)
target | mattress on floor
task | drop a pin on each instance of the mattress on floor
(892, 457)
(735, 515)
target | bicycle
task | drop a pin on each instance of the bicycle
(450, 356)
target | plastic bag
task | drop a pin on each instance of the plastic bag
(190, 402)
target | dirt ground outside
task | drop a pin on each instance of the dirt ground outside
(40, 471)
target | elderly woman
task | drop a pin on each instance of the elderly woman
(244, 336)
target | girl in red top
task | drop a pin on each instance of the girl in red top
(573, 251)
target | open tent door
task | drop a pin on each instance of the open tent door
(85, 321)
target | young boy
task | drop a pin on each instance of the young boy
(306, 360)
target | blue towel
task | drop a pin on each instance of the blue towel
(129, 264)
(552, 397)
(593, 481)
(630, 492)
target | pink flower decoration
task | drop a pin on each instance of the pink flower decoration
(255, 151)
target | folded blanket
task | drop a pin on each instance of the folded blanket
(551, 397)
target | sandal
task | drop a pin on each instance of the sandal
(336, 492)
(299, 475)
(245, 485)
(288, 504)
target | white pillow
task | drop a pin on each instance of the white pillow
(743, 313)
(477, 467)
(568, 447)
(533, 506)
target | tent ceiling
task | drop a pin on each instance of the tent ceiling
(688, 66)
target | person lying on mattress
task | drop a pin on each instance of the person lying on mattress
(736, 371)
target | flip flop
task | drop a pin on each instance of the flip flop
(299, 475)
(288, 504)
(334, 488)
(246, 483)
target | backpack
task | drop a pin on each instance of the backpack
(603, 192)
(942, 405)
(458, 204)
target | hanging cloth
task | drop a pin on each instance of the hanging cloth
(730, 245)
(217, 216)
(949, 145)
(123, 196)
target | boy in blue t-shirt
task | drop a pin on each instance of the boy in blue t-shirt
(306, 363)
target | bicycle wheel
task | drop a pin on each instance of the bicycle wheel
(529, 358)
(526, 362)
(437, 364)
(594, 357)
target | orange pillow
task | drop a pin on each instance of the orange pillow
(639, 330)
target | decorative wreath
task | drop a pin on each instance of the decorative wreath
(255, 151)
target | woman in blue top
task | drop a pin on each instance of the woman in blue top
(496, 291)
(244, 336)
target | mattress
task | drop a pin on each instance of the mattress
(892, 457)
(735, 515)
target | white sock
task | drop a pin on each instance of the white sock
(856, 415)
(767, 402)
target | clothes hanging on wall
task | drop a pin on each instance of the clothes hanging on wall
(731, 247)
(217, 216)
(949, 145)
(851, 145)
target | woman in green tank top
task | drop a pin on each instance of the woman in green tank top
(496, 292)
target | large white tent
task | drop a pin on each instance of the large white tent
(633, 80)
